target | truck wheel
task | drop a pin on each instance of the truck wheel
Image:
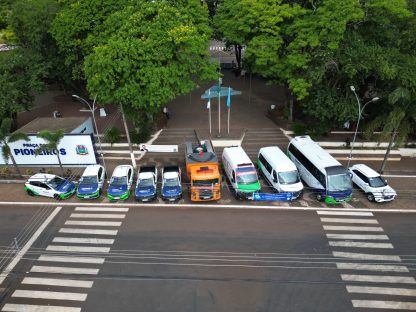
(370, 197)
(30, 193)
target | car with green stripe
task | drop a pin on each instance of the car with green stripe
(50, 185)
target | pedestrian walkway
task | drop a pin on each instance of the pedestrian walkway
(373, 274)
(64, 272)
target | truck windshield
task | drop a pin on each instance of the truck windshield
(246, 175)
(88, 180)
(377, 182)
(119, 181)
(145, 182)
(289, 177)
(339, 183)
(171, 182)
(208, 182)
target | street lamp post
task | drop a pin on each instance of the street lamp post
(92, 110)
(360, 111)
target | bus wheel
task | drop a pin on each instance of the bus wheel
(319, 197)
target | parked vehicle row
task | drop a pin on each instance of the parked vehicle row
(305, 161)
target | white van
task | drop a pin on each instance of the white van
(240, 172)
(279, 171)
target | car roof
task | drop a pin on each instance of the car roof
(42, 177)
(146, 175)
(170, 175)
(91, 170)
(366, 170)
(275, 156)
(121, 171)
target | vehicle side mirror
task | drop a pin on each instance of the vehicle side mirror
(385, 181)
(232, 180)
(350, 174)
(274, 180)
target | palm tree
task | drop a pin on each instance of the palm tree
(6, 137)
(397, 123)
(53, 139)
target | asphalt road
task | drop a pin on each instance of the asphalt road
(181, 259)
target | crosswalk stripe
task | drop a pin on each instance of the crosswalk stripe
(57, 282)
(88, 231)
(71, 259)
(363, 256)
(360, 245)
(386, 305)
(83, 240)
(10, 307)
(382, 290)
(63, 270)
(341, 220)
(101, 209)
(352, 228)
(52, 295)
(345, 213)
(96, 223)
(97, 216)
(78, 248)
(357, 236)
(378, 278)
(372, 267)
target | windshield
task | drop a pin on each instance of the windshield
(209, 182)
(172, 182)
(290, 177)
(88, 180)
(377, 182)
(247, 175)
(145, 182)
(119, 181)
(56, 182)
(339, 183)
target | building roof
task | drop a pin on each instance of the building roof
(52, 124)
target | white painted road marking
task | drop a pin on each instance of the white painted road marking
(9, 307)
(386, 305)
(57, 282)
(372, 267)
(341, 220)
(363, 256)
(345, 213)
(378, 278)
(97, 216)
(88, 231)
(71, 259)
(63, 270)
(29, 244)
(352, 228)
(94, 223)
(382, 291)
(82, 240)
(78, 248)
(52, 295)
(101, 209)
(357, 236)
(360, 245)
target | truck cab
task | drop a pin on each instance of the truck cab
(203, 171)
(146, 184)
(171, 183)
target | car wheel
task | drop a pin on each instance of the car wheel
(370, 197)
(30, 193)
(319, 197)
(56, 197)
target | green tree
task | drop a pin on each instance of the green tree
(52, 141)
(149, 53)
(5, 138)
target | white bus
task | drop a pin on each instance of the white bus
(321, 172)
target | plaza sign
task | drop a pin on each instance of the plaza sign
(74, 150)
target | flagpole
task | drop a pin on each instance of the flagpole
(229, 107)
(209, 109)
(219, 108)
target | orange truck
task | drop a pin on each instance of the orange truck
(203, 171)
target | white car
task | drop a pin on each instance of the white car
(120, 183)
(50, 185)
(373, 185)
(91, 182)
